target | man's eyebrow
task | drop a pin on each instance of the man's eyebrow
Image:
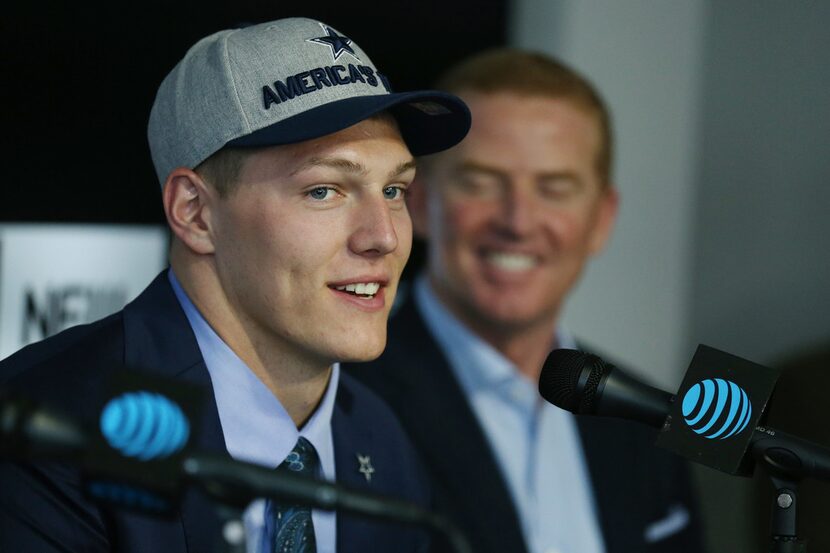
(333, 163)
(475, 167)
(349, 166)
(403, 168)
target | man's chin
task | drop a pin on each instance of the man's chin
(363, 353)
(511, 318)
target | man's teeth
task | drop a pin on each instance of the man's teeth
(368, 289)
(511, 261)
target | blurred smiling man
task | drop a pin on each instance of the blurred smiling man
(510, 216)
(513, 213)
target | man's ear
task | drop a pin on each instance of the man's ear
(607, 209)
(187, 200)
(416, 202)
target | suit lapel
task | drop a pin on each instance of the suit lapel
(448, 439)
(613, 463)
(158, 339)
(354, 435)
(349, 439)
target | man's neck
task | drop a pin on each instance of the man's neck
(527, 347)
(297, 379)
(299, 393)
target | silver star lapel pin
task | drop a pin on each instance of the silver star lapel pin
(366, 468)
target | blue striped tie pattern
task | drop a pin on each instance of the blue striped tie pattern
(288, 528)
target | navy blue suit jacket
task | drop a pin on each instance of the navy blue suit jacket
(635, 485)
(43, 509)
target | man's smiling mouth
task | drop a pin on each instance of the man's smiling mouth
(361, 289)
(512, 262)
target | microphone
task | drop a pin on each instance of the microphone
(710, 415)
(140, 460)
(586, 385)
(30, 430)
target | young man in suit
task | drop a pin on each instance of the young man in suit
(510, 217)
(283, 158)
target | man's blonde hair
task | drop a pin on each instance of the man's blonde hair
(533, 74)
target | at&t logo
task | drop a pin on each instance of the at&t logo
(716, 408)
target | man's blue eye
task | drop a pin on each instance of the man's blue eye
(392, 192)
(319, 193)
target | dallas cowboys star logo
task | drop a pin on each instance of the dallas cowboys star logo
(339, 44)
(366, 468)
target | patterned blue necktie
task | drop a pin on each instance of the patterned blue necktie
(288, 528)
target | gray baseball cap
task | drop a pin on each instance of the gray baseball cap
(282, 82)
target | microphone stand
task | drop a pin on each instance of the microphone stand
(783, 535)
(787, 462)
(232, 537)
(28, 432)
(236, 484)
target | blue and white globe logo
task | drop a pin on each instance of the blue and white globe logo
(716, 408)
(144, 425)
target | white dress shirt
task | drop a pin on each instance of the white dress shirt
(536, 444)
(256, 427)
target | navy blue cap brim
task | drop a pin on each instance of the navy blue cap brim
(430, 121)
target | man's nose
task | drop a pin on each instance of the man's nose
(518, 209)
(375, 233)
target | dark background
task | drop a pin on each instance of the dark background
(79, 82)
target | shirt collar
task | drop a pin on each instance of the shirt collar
(476, 363)
(256, 426)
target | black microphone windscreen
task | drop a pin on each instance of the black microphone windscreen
(559, 378)
(559, 381)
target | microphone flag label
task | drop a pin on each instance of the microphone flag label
(715, 412)
(145, 426)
